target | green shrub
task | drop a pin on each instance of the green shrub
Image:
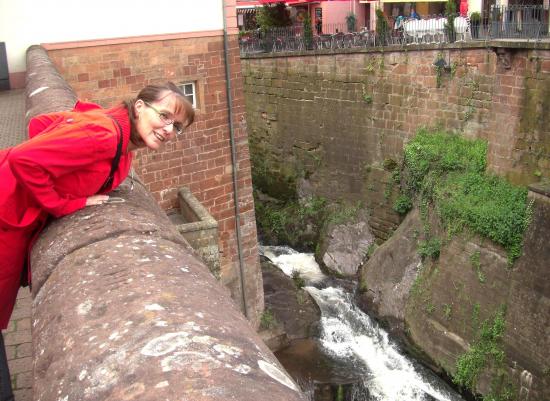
(267, 320)
(429, 248)
(450, 13)
(402, 204)
(298, 279)
(438, 153)
(487, 349)
(382, 27)
(488, 205)
(308, 32)
(291, 223)
(449, 171)
(270, 16)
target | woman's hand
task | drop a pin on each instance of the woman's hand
(96, 200)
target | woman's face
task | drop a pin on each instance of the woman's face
(152, 119)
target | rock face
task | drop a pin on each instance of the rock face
(346, 246)
(296, 313)
(443, 303)
(390, 272)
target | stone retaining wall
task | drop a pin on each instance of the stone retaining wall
(341, 119)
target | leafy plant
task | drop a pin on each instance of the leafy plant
(270, 16)
(267, 320)
(291, 223)
(298, 279)
(351, 19)
(402, 204)
(447, 310)
(430, 248)
(431, 154)
(382, 27)
(448, 171)
(450, 13)
(474, 259)
(475, 17)
(486, 349)
(439, 68)
(488, 205)
(308, 32)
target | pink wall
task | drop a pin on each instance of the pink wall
(335, 12)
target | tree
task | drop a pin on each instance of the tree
(270, 16)
(450, 13)
(382, 27)
(308, 32)
(351, 19)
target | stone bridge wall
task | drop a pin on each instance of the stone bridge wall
(342, 119)
(124, 309)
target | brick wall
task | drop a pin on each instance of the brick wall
(201, 160)
(339, 118)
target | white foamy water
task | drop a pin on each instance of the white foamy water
(350, 334)
(289, 260)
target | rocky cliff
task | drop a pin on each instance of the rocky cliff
(468, 311)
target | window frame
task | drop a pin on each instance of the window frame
(193, 84)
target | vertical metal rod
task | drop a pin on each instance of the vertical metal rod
(233, 159)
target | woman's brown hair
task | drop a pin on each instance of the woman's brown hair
(154, 93)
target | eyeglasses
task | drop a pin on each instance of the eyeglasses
(167, 119)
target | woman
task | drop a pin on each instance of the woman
(71, 161)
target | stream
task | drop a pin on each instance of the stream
(353, 352)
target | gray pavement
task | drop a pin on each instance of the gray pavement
(17, 337)
(12, 117)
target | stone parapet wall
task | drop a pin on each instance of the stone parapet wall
(201, 160)
(338, 119)
(124, 309)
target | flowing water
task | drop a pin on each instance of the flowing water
(357, 344)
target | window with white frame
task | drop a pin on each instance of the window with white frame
(190, 93)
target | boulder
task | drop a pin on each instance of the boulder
(296, 315)
(345, 246)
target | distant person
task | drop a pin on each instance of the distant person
(72, 160)
(414, 14)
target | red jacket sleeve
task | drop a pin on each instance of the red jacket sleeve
(38, 162)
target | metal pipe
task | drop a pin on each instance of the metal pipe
(233, 159)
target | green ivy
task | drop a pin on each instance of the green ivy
(487, 349)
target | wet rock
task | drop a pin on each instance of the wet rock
(345, 246)
(295, 312)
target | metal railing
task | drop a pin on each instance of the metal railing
(510, 22)
(518, 22)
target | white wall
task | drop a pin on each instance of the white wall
(28, 22)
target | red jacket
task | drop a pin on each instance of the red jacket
(67, 159)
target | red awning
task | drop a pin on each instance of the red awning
(298, 2)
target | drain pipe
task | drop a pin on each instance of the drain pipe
(233, 158)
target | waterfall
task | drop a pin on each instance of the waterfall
(351, 335)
